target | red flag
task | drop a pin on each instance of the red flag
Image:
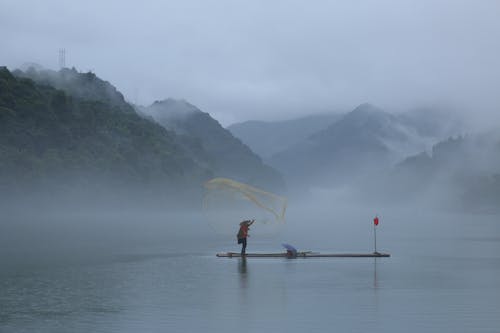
(375, 220)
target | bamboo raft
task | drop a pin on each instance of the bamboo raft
(307, 254)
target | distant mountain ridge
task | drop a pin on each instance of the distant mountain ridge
(226, 155)
(363, 141)
(464, 168)
(67, 131)
(347, 145)
(269, 138)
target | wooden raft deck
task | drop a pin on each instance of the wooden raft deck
(304, 255)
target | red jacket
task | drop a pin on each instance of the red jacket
(243, 233)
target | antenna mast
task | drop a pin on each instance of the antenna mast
(62, 58)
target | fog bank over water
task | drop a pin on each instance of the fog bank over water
(323, 220)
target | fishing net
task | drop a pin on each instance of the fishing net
(227, 202)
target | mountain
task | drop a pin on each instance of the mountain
(226, 155)
(460, 156)
(363, 141)
(84, 139)
(85, 86)
(269, 138)
(464, 169)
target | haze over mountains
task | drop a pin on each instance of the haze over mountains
(339, 147)
(69, 132)
(465, 170)
(58, 143)
(269, 138)
(226, 156)
(416, 155)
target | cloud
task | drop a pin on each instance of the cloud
(258, 59)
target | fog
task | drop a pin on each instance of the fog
(46, 236)
(260, 60)
(391, 110)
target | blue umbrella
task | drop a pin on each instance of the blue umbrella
(290, 249)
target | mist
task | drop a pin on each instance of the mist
(430, 68)
(310, 118)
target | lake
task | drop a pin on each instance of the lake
(159, 274)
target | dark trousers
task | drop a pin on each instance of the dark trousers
(243, 242)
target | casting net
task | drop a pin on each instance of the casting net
(227, 202)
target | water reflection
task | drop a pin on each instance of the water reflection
(242, 266)
(243, 272)
(375, 282)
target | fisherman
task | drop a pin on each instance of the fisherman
(243, 234)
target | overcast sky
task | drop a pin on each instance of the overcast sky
(241, 60)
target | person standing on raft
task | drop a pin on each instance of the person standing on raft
(243, 234)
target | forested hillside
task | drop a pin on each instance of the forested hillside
(224, 154)
(84, 140)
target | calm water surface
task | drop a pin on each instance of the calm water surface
(161, 275)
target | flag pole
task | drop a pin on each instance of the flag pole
(375, 224)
